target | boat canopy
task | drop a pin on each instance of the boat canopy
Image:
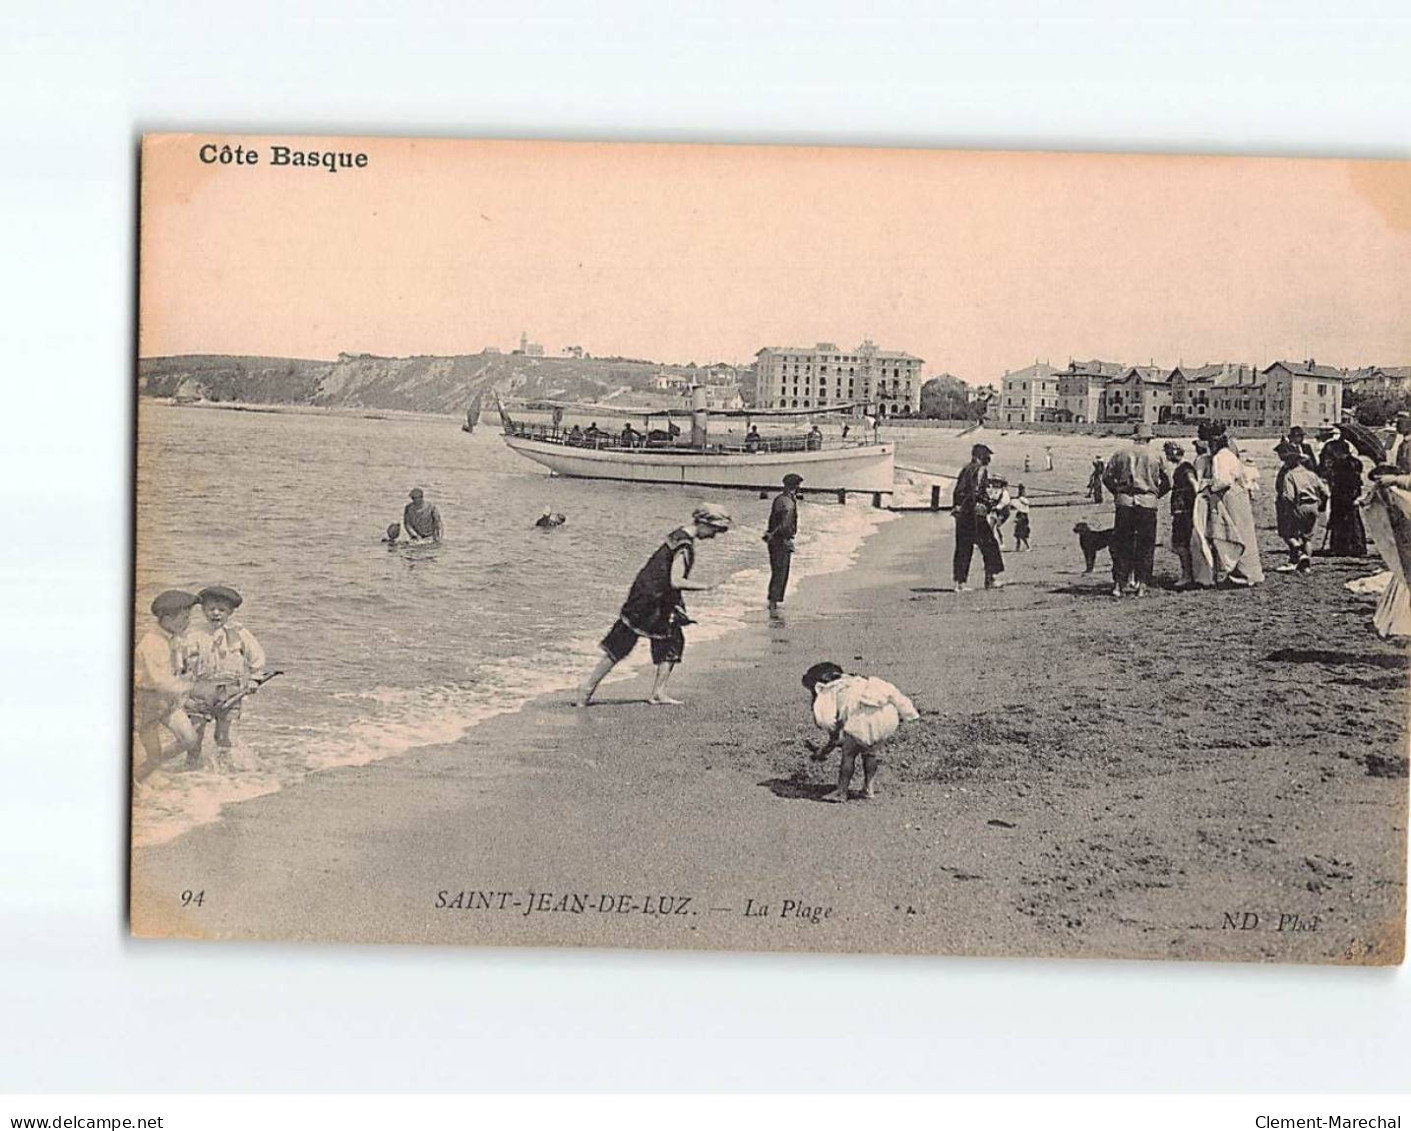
(638, 410)
(738, 412)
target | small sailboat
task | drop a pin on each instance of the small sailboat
(472, 414)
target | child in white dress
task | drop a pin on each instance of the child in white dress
(859, 713)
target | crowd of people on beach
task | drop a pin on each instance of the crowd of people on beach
(1210, 498)
(187, 679)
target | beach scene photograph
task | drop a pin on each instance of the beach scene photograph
(771, 549)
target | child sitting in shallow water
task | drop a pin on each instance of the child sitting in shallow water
(859, 713)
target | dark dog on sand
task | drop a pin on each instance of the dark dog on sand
(1092, 542)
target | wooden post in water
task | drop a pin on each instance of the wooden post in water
(877, 499)
(842, 494)
(935, 496)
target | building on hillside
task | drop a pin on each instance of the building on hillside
(1029, 394)
(721, 373)
(1141, 395)
(722, 397)
(1303, 393)
(528, 348)
(885, 380)
(1081, 387)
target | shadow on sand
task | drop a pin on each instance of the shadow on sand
(792, 790)
(1338, 659)
(608, 701)
(1097, 589)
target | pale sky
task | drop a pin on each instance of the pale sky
(977, 262)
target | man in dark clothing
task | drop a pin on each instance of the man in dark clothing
(420, 519)
(970, 506)
(1184, 482)
(1095, 480)
(779, 537)
(1341, 470)
(654, 607)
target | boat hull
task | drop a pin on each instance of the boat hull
(867, 467)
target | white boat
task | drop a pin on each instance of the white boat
(834, 463)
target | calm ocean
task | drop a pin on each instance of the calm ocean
(387, 650)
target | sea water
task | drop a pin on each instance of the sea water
(390, 649)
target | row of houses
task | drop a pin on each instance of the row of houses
(1386, 380)
(1102, 392)
(791, 377)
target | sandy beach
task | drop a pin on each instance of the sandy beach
(1189, 775)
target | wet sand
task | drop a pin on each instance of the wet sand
(1191, 776)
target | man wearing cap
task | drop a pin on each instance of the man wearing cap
(779, 537)
(420, 519)
(970, 504)
(654, 607)
(162, 679)
(1137, 479)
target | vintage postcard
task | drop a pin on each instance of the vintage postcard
(767, 548)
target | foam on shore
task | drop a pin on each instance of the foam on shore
(388, 721)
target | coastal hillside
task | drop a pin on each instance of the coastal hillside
(416, 384)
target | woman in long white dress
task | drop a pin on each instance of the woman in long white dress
(1226, 519)
(1386, 511)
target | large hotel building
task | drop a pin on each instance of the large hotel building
(883, 380)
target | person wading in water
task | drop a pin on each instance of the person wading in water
(654, 607)
(421, 519)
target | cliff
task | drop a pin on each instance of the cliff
(417, 384)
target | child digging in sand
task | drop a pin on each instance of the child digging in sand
(859, 713)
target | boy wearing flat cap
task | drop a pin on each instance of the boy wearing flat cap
(228, 660)
(162, 680)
